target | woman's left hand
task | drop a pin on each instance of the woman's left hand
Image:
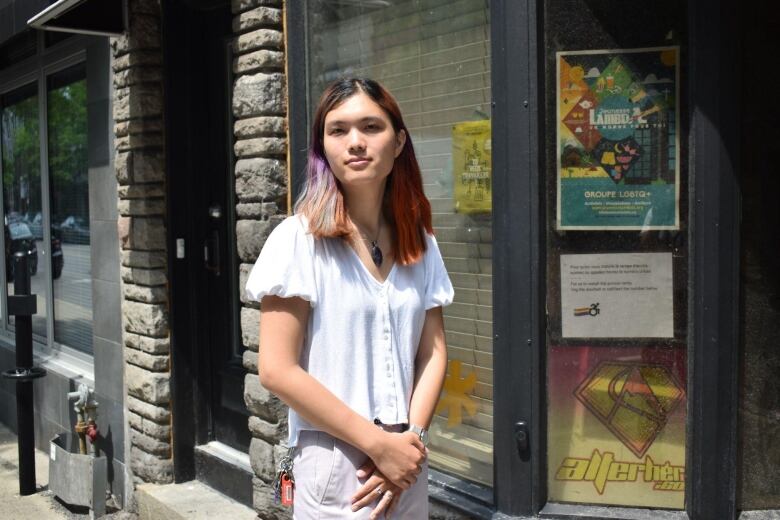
(368, 493)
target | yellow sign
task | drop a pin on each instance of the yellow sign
(471, 167)
(616, 425)
(456, 390)
(632, 400)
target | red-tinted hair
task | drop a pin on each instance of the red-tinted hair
(406, 206)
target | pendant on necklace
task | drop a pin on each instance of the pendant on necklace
(376, 254)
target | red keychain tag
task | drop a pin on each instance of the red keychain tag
(287, 490)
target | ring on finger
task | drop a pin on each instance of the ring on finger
(379, 491)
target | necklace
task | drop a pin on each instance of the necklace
(376, 251)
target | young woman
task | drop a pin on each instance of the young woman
(351, 332)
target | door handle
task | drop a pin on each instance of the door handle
(521, 438)
(211, 253)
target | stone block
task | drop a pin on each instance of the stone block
(158, 414)
(145, 318)
(250, 328)
(261, 38)
(160, 432)
(149, 444)
(148, 167)
(268, 431)
(141, 207)
(123, 167)
(141, 191)
(259, 127)
(265, 503)
(143, 34)
(260, 179)
(151, 468)
(137, 101)
(138, 142)
(249, 360)
(150, 387)
(147, 344)
(260, 146)
(257, 210)
(259, 94)
(261, 456)
(138, 276)
(138, 126)
(257, 18)
(252, 234)
(136, 75)
(243, 276)
(154, 363)
(143, 259)
(137, 59)
(261, 402)
(263, 59)
(147, 234)
(242, 5)
(145, 294)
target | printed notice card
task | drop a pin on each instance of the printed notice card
(622, 295)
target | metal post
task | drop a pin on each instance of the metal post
(23, 305)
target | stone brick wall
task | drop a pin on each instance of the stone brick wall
(140, 171)
(261, 183)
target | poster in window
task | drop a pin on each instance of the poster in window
(618, 152)
(471, 167)
(616, 425)
(617, 295)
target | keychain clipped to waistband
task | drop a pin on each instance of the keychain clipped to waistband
(284, 485)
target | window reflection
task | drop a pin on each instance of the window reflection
(22, 193)
(69, 196)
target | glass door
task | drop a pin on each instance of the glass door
(616, 253)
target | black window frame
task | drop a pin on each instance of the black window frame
(519, 306)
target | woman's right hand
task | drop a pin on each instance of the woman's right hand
(399, 456)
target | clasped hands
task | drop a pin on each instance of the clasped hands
(391, 470)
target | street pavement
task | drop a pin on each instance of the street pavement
(43, 505)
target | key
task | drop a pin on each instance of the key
(287, 490)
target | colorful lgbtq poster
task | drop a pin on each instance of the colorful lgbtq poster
(618, 156)
(471, 167)
(616, 425)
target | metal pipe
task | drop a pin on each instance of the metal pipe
(22, 305)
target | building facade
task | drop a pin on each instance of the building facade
(599, 195)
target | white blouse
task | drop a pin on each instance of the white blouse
(362, 336)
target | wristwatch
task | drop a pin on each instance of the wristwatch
(422, 432)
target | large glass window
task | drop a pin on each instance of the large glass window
(46, 202)
(433, 55)
(22, 208)
(69, 196)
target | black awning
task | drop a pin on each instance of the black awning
(102, 17)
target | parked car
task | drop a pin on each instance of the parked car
(18, 237)
(75, 230)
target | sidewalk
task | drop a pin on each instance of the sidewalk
(42, 505)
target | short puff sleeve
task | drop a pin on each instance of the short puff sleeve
(438, 288)
(285, 266)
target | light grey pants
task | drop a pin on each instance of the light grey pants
(324, 469)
